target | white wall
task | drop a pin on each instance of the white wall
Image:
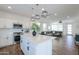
(6, 24)
(75, 25)
(9, 19)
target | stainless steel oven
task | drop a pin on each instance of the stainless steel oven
(17, 36)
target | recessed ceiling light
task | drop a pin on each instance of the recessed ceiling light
(9, 7)
(43, 9)
(68, 16)
(55, 14)
(32, 19)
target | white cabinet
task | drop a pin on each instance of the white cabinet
(6, 37)
(44, 48)
(26, 46)
(6, 23)
(31, 48)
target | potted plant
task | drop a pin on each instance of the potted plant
(35, 29)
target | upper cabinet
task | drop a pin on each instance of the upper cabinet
(17, 26)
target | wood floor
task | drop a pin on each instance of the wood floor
(61, 46)
(11, 50)
(65, 46)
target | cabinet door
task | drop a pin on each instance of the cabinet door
(5, 38)
(25, 46)
(6, 24)
(3, 41)
(44, 48)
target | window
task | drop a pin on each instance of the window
(44, 27)
(57, 27)
(54, 27)
(69, 29)
(49, 28)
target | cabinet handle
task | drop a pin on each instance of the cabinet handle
(27, 42)
(28, 48)
(21, 41)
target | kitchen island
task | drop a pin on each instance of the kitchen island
(36, 45)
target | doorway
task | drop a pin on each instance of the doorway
(69, 29)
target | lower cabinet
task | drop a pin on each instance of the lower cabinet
(5, 41)
(30, 48)
(25, 47)
(6, 37)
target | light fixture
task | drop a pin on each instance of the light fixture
(9, 7)
(37, 4)
(38, 15)
(34, 15)
(60, 21)
(55, 14)
(44, 13)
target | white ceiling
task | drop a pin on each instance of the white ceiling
(62, 10)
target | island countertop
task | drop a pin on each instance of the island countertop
(36, 45)
(36, 39)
